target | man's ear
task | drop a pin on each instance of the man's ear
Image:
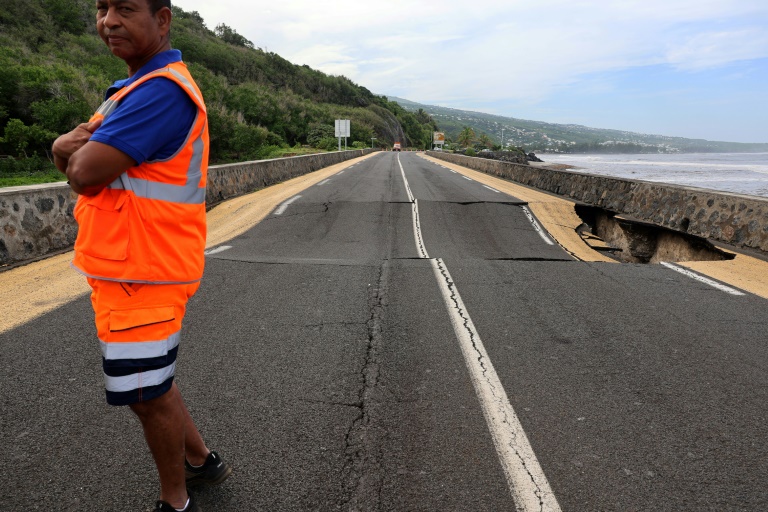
(164, 16)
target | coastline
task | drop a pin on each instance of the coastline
(741, 173)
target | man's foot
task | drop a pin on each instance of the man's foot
(162, 506)
(212, 472)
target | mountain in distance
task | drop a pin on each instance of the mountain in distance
(539, 136)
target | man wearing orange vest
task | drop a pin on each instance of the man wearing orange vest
(140, 167)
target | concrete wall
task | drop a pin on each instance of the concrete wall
(731, 218)
(36, 220)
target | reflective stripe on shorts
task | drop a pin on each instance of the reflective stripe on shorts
(141, 379)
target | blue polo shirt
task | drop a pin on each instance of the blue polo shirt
(152, 122)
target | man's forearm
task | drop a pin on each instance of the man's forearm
(94, 166)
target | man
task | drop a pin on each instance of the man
(140, 167)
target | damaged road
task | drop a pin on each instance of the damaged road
(372, 346)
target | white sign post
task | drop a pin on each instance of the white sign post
(342, 130)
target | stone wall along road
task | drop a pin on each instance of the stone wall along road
(37, 220)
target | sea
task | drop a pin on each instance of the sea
(743, 173)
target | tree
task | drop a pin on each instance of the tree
(485, 140)
(19, 137)
(466, 137)
(228, 35)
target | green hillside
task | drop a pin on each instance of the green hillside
(54, 70)
(567, 138)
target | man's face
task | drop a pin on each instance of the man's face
(130, 30)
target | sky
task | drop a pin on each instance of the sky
(687, 68)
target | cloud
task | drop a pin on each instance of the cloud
(712, 49)
(486, 52)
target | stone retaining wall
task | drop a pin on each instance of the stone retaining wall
(731, 218)
(36, 220)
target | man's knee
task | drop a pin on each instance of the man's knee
(163, 405)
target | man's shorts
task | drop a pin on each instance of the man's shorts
(139, 328)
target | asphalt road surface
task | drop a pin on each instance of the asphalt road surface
(401, 337)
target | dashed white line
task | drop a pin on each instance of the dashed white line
(491, 188)
(536, 226)
(705, 280)
(466, 178)
(217, 250)
(324, 182)
(281, 209)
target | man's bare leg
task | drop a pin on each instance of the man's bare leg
(168, 428)
(195, 449)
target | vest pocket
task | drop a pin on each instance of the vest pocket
(104, 223)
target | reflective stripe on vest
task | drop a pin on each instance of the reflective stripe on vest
(189, 193)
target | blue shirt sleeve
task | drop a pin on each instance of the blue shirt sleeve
(151, 122)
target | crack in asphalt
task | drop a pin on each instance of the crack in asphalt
(361, 472)
(565, 260)
(329, 402)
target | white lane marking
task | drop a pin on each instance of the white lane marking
(342, 172)
(705, 280)
(466, 178)
(324, 182)
(454, 172)
(530, 487)
(490, 188)
(415, 215)
(217, 250)
(407, 186)
(281, 209)
(420, 245)
(527, 482)
(536, 226)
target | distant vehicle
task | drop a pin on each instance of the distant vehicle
(396, 146)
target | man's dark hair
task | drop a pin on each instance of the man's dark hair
(156, 5)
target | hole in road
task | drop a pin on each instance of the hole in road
(631, 241)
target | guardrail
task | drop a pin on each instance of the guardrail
(37, 220)
(736, 219)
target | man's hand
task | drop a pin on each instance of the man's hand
(66, 145)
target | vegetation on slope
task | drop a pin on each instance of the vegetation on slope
(54, 70)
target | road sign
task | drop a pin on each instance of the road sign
(342, 128)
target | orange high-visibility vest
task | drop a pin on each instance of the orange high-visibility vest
(149, 224)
